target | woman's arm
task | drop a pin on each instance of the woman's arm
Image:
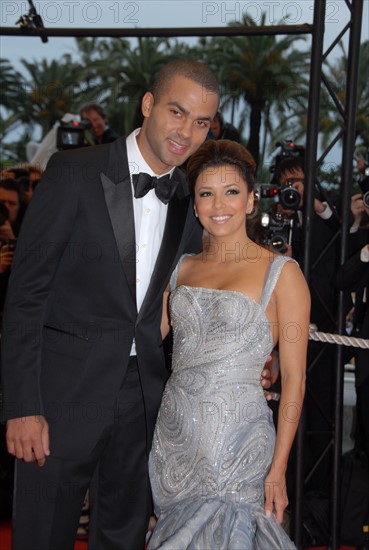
(293, 311)
(165, 322)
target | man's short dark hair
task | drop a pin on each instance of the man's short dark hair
(288, 164)
(193, 70)
(10, 184)
(93, 107)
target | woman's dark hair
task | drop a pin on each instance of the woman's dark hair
(218, 153)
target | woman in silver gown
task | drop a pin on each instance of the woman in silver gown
(217, 468)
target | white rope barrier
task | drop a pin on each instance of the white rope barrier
(339, 339)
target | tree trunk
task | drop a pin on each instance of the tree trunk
(255, 125)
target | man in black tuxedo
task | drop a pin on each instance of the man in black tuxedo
(83, 366)
(353, 276)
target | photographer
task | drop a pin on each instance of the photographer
(27, 177)
(95, 114)
(219, 129)
(361, 200)
(353, 276)
(10, 198)
(282, 223)
(289, 179)
(9, 217)
(10, 204)
(289, 175)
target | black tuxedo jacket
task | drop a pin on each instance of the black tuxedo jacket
(324, 262)
(353, 275)
(70, 313)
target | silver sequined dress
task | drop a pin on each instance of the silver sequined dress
(214, 437)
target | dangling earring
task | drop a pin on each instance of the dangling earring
(195, 210)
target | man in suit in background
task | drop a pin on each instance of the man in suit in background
(321, 357)
(83, 366)
(353, 276)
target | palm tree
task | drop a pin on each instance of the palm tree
(36, 99)
(257, 73)
(336, 73)
(112, 72)
(12, 90)
(50, 89)
(118, 73)
(11, 85)
(139, 71)
(101, 65)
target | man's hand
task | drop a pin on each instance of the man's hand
(269, 375)
(27, 438)
(319, 206)
(6, 258)
(357, 205)
(6, 232)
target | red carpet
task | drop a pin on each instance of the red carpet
(5, 535)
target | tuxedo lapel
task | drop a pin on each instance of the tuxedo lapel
(118, 196)
(169, 249)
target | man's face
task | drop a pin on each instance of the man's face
(97, 121)
(176, 124)
(10, 199)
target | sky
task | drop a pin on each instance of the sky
(161, 13)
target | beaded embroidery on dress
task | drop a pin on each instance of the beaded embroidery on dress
(214, 436)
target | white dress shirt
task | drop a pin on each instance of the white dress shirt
(149, 216)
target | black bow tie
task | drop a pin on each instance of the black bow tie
(164, 187)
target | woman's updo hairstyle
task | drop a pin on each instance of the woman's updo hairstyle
(221, 152)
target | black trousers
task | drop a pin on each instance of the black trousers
(362, 415)
(48, 500)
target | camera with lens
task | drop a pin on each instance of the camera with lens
(287, 195)
(73, 134)
(276, 231)
(289, 149)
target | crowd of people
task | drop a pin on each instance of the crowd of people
(100, 267)
(16, 189)
(321, 357)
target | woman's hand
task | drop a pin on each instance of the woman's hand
(276, 499)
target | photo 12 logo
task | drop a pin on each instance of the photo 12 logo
(275, 12)
(225, 12)
(70, 12)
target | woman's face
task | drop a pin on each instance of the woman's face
(222, 201)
